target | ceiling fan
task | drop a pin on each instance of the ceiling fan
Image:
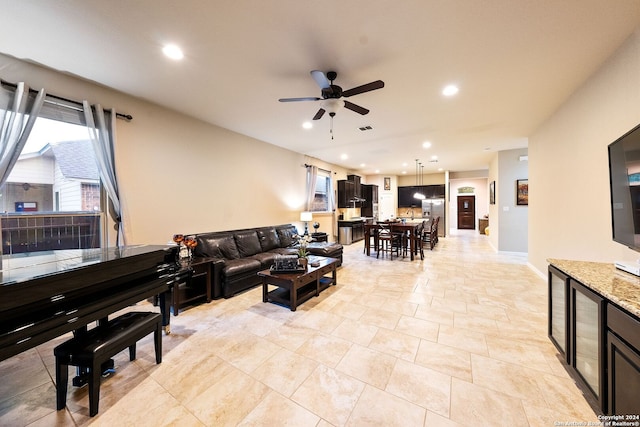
(332, 94)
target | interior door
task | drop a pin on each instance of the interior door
(466, 212)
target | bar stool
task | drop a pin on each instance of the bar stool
(371, 232)
(416, 236)
(389, 242)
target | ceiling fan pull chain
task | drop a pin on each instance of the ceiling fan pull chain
(331, 128)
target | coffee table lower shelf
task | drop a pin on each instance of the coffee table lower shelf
(305, 285)
(283, 295)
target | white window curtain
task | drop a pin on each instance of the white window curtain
(312, 176)
(19, 110)
(102, 133)
(332, 196)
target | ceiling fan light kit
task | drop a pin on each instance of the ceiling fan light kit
(332, 105)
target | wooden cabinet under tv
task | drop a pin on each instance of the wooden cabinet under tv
(623, 362)
(594, 321)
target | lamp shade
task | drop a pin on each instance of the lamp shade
(306, 216)
(332, 105)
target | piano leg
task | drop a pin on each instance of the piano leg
(165, 309)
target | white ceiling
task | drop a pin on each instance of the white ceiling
(515, 62)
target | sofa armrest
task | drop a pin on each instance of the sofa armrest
(217, 264)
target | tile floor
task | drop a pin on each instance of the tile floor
(458, 339)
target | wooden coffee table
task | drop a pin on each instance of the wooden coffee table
(292, 289)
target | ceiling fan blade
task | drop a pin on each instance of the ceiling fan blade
(320, 79)
(319, 114)
(378, 84)
(310, 98)
(353, 107)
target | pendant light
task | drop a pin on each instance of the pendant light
(418, 195)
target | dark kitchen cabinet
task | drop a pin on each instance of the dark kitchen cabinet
(559, 311)
(357, 185)
(346, 193)
(623, 360)
(587, 337)
(356, 226)
(350, 192)
(370, 196)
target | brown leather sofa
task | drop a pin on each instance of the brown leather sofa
(240, 254)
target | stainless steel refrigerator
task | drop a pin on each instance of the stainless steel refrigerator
(432, 208)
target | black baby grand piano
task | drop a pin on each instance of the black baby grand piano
(46, 294)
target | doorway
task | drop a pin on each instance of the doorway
(466, 212)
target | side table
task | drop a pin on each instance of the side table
(195, 285)
(319, 237)
(482, 224)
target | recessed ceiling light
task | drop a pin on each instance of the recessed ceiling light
(307, 125)
(173, 51)
(377, 170)
(434, 157)
(439, 169)
(426, 144)
(404, 164)
(344, 157)
(362, 165)
(450, 90)
(404, 172)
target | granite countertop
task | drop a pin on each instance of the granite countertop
(617, 286)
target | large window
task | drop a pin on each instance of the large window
(52, 197)
(322, 199)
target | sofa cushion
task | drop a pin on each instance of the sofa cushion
(240, 266)
(325, 249)
(268, 238)
(286, 235)
(247, 243)
(267, 259)
(217, 246)
(285, 251)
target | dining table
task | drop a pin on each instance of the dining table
(371, 228)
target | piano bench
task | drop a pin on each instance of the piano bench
(95, 347)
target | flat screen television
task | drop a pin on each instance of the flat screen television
(624, 180)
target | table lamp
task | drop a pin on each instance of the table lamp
(306, 217)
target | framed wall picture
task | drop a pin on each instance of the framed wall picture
(522, 191)
(492, 193)
(387, 183)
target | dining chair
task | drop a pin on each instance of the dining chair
(416, 237)
(430, 233)
(388, 241)
(372, 239)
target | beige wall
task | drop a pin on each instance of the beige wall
(481, 193)
(424, 179)
(178, 174)
(569, 200)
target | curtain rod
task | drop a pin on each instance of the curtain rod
(127, 117)
(323, 170)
